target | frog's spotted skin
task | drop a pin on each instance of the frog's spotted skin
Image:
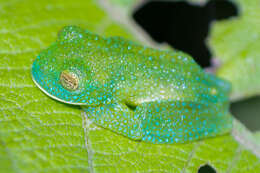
(139, 92)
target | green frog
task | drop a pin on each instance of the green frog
(156, 96)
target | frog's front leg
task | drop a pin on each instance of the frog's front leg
(117, 117)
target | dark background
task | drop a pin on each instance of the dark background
(185, 27)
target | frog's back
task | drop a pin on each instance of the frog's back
(149, 74)
(145, 74)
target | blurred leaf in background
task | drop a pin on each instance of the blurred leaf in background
(236, 43)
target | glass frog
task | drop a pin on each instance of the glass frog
(156, 96)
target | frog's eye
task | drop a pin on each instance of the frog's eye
(69, 80)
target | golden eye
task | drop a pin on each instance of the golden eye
(69, 80)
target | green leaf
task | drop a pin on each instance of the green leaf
(236, 43)
(38, 134)
(257, 136)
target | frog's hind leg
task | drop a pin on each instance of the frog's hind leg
(178, 122)
(223, 85)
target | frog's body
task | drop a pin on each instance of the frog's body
(139, 92)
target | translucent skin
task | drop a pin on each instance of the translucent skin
(145, 94)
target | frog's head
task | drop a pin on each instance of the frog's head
(64, 72)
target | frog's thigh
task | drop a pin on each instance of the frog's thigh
(116, 117)
(178, 122)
